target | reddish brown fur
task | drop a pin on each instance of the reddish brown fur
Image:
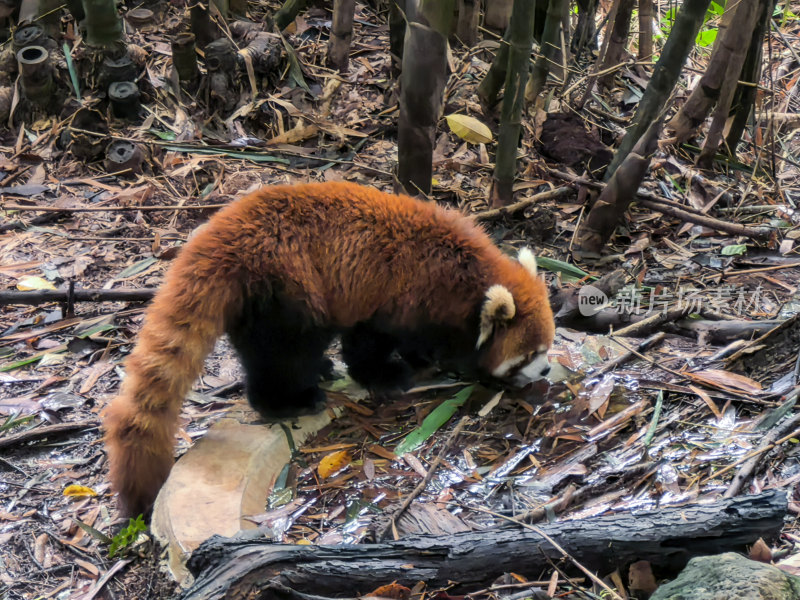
(343, 250)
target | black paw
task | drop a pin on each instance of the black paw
(281, 406)
(326, 370)
(392, 375)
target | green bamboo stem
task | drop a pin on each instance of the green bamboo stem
(665, 75)
(491, 84)
(421, 95)
(103, 23)
(519, 52)
(550, 48)
(751, 73)
(184, 57)
(287, 13)
(341, 34)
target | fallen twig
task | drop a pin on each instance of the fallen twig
(727, 330)
(392, 526)
(573, 496)
(730, 274)
(754, 454)
(496, 213)
(747, 468)
(628, 354)
(40, 432)
(760, 233)
(646, 325)
(87, 295)
(141, 207)
(785, 325)
(673, 209)
(118, 566)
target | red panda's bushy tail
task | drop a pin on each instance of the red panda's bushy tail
(186, 317)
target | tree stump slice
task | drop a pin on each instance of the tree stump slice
(223, 478)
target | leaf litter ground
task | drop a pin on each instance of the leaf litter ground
(668, 426)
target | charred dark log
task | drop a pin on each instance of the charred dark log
(249, 567)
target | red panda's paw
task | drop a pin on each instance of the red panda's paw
(386, 378)
(271, 406)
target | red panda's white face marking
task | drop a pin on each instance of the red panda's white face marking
(532, 366)
(515, 338)
(522, 370)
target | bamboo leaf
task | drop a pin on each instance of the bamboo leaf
(255, 157)
(469, 129)
(95, 533)
(73, 74)
(734, 250)
(95, 330)
(706, 38)
(32, 359)
(137, 267)
(168, 136)
(438, 417)
(27, 284)
(295, 70)
(559, 266)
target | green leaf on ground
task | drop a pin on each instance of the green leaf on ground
(431, 424)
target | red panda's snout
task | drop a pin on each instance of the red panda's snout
(518, 359)
(517, 327)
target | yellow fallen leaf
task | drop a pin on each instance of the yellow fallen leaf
(28, 283)
(78, 491)
(469, 129)
(42, 124)
(298, 133)
(333, 463)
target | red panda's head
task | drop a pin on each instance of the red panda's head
(516, 325)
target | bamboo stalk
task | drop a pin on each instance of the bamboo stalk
(341, 34)
(521, 40)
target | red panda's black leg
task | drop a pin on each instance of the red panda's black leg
(282, 353)
(373, 361)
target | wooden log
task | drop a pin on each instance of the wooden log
(246, 566)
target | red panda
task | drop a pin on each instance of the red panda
(283, 271)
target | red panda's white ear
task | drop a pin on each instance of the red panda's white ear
(527, 259)
(497, 308)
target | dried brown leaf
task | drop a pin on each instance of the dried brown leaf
(726, 380)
